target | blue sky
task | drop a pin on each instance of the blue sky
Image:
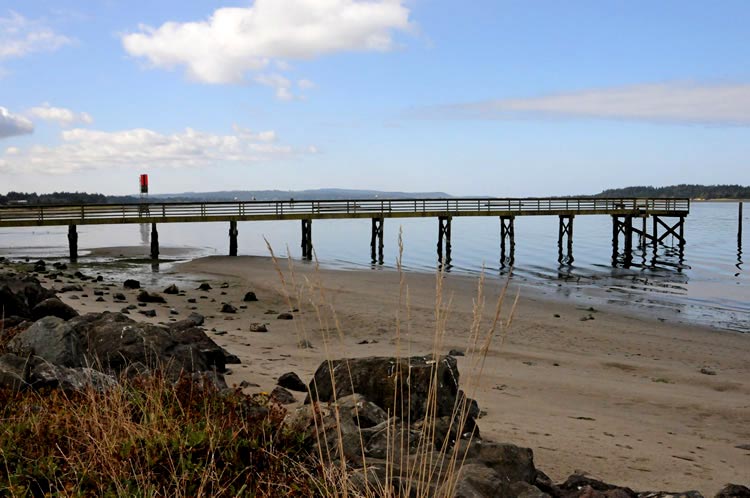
(482, 97)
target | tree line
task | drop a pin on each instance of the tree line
(683, 190)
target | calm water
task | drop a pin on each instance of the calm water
(711, 285)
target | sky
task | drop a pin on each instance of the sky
(500, 98)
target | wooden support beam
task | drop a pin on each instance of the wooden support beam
(73, 243)
(615, 239)
(628, 230)
(154, 242)
(507, 233)
(444, 234)
(307, 246)
(739, 226)
(233, 232)
(376, 241)
(565, 240)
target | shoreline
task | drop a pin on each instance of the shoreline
(651, 420)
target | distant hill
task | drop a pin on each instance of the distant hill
(229, 195)
(301, 195)
(684, 190)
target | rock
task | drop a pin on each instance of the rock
(285, 316)
(578, 485)
(100, 299)
(291, 380)
(192, 300)
(172, 289)
(60, 266)
(228, 308)
(98, 293)
(382, 380)
(664, 494)
(52, 339)
(245, 384)
(231, 359)
(150, 297)
(193, 320)
(707, 371)
(304, 344)
(74, 297)
(70, 379)
(257, 327)
(131, 284)
(148, 313)
(512, 463)
(111, 341)
(282, 396)
(204, 287)
(456, 352)
(733, 491)
(14, 372)
(475, 480)
(173, 311)
(19, 295)
(119, 296)
(250, 297)
(53, 307)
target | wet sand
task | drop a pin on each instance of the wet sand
(621, 397)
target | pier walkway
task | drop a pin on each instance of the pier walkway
(622, 211)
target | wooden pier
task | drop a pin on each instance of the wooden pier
(667, 217)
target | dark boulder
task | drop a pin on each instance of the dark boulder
(285, 316)
(733, 491)
(150, 297)
(250, 297)
(282, 396)
(53, 307)
(19, 295)
(193, 320)
(119, 296)
(228, 308)
(110, 342)
(291, 381)
(131, 284)
(172, 289)
(384, 381)
(204, 287)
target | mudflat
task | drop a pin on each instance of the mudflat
(622, 396)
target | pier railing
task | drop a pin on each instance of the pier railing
(166, 212)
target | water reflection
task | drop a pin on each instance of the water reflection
(145, 231)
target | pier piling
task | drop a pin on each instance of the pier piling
(444, 234)
(154, 242)
(565, 233)
(376, 240)
(507, 233)
(73, 243)
(307, 246)
(739, 226)
(233, 232)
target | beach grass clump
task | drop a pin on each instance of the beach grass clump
(149, 437)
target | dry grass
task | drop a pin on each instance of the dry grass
(432, 470)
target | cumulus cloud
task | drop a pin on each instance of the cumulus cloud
(13, 124)
(237, 40)
(137, 148)
(60, 115)
(672, 102)
(20, 36)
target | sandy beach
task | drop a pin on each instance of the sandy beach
(626, 398)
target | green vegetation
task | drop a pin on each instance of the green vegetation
(683, 190)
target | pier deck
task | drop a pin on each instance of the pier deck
(189, 212)
(622, 211)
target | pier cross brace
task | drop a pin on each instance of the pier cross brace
(444, 233)
(507, 233)
(307, 246)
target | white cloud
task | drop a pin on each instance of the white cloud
(305, 84)
(60, 115)
(20, 36)
(13, 124)
(137, 148)
(238, 40)
(279, 83)
(668, 102)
